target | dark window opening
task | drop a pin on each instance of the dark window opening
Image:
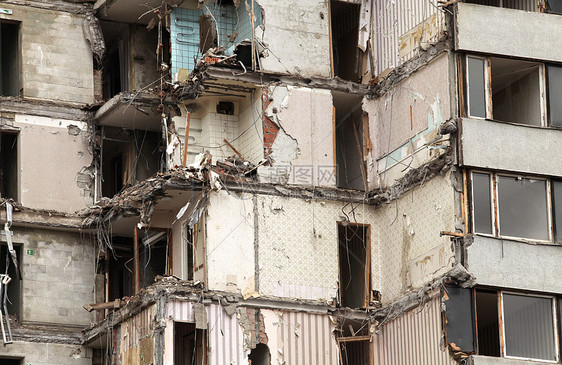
(354, 264)
(129, 157)
(487, 324)
(189, 244)
(115, 74)
(345, 30)
(10, 361)
(556, 187)
(9, 59)
(354, 352)
(14, 286)
(153, 252)
(190, 344)
(120, 268)
(554, 6)
(260, 355)
(8, 165)
(516, 95)
(351, 131)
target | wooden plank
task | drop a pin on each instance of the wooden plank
(362, 162)
(232, 148)
(186, 139)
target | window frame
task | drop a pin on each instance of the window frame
(543, 91)
(495, 206)
(555, 325)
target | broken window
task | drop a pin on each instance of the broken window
(260, 355)
(128, 157)
(8, 165)
(9, 58)
(355, 350)
(345, 32)
(505, 89)
(14, 286)
(528, 329)
(523, 206)
(354, 264)
(351, 140)
(190, 344)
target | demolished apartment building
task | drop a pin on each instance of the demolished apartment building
(261, 182)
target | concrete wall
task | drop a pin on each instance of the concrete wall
(53, 153)
(508, 264)
(58, 276)
(230, 242)
(411, 250)
(48, 353)
(510, 147)
(298, 246)
(143, 45)
(56, 60)
(296, 33)
(405, 119)
(515, 33)
(303, 150)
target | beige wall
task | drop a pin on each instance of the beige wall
(56, 61)
(51, 163)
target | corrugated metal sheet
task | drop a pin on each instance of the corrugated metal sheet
(304, 339)
(413, 338)
(136, 328)
(394, 18)
(226, 339)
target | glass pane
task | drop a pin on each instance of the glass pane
(529, 327)
(476, 90)
(522, 207)
(554, 95)
(482, 203)
(557, 208)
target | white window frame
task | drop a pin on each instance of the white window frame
(554, 325)
(495, 206)
(488, 90)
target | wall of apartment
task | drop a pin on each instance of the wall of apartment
(58, 262)
(303, 150)
(46, 144)
(515, 33)
(230, 242)
(298, 245)
(505, 146)
(405, 119)
(56, 60)
(136, 339)
(507, 263)
(143, 44)
(250, 131)
(411, 249)
(296, 33)
(48, 353)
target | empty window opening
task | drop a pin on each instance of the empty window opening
(524, 206)
(9, 59)
(153, 253)
(8, 165)
(188, 243)
(355, 351)
(190, 344)
(351, 131)
(516, 92)
(115, 68)
(129, 157)
(120, 268)
(354, 264)
(345, 31)
(14, 286)
(10, 361)
(487, 324)
(260, 355)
